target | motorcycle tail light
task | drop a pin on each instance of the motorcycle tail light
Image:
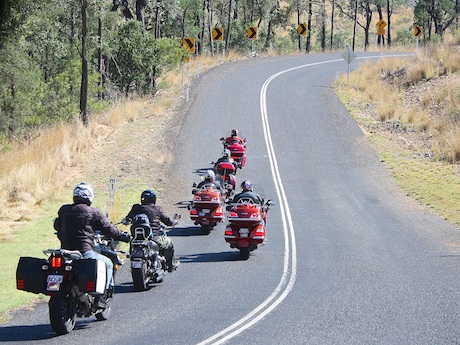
(233, 215)
(90, 286)
(260, 232)
(255, 215)
(56, 262)
(215, 198)
(20, 284)
(193, 211)
(197, 197)
(228, 231)
(219, 211)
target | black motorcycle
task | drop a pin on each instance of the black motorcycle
(147, 266)
(75, 285)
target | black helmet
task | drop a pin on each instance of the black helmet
(148, 197)
(83, 193)
(246, 186)
(234, 132)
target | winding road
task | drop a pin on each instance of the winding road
(350, 259)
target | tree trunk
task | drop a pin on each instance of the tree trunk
(332, 24)
(229, 25)
(310, 14)
(84, 66)
(389, 12)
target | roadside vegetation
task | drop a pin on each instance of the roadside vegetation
(410, 110)
(136, 68)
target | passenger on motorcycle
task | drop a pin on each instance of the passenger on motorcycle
(226, 157)
(76, 225)
(233, 138)
(156, 217)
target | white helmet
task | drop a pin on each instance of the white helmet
(209, 175)
(84, 191)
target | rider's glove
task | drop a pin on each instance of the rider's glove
(124, 237)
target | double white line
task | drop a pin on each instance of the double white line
(290, 251)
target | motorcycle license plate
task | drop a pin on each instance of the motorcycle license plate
(244, 233)
(54, 282)
(136, 264)
(204, 212)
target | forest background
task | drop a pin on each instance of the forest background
(72, 71)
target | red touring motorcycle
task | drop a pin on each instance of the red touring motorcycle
(72, 282)
(246, 229)
(237, 150)
(207, 208)
(227, 171)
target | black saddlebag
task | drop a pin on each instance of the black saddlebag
(30, 276)
(92, 275)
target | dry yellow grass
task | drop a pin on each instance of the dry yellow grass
(35, 172)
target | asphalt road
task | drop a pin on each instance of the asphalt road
(350, 259)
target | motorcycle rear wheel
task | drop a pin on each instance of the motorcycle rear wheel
(244, 253)
(105, 314)
(63, 313)
(206, 229)
(140, 278)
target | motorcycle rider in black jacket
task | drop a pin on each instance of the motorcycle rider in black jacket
(156, 217)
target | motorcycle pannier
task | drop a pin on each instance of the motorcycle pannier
(30, 275)
(92, 275)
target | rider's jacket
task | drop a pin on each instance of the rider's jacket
(76, 225)
(248, 195)
(155, 214)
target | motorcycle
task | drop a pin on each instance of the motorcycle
(147, 265)
(207, 207)
(237, 150)
(73, 283)
(226, 172)
(246, 229)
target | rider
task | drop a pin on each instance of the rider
(156, 217)
(209, 180)
(226, 157)
(234, 137)
(247, 193)
(76, 225)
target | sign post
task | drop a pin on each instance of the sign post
(381, 31)
(252, 35)
(418, 31)
(217, 35)
(348, 55)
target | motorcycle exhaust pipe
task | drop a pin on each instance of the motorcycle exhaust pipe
(159, 276)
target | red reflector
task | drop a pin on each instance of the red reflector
(90, 286)
(56, 261)
(20, 284)
(233, 215)
(228, 231)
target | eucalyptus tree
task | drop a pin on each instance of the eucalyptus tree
(439, 15)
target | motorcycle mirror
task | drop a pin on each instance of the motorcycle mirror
(222, 138)
(270, 202)
(177, 216)
(193, 184)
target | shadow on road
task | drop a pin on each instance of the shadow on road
(35, 332)
(210, 257)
